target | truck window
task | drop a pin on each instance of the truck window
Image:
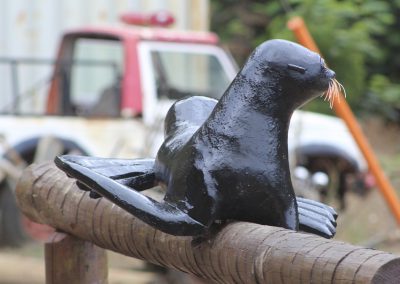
(95, 76)
(181, 74)
(174, 70)
(24, 83)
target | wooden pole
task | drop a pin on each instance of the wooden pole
(74, 261)
(342, 109)
(239, 253)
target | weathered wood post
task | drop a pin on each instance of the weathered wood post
(72, 260)
(239, 253)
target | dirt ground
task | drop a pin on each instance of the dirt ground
(18, 265)
(27, 262)
(26, 265)
(366, 221)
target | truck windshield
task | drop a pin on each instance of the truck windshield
(179, 71)
(181, 74)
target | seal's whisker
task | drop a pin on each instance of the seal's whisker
(341, 88)
(328, 93)
(333, 92)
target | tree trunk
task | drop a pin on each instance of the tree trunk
(239, 253)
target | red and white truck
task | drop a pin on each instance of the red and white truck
(107, 96)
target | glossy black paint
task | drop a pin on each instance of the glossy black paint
(228, 159)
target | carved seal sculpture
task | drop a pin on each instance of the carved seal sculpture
(225, 160)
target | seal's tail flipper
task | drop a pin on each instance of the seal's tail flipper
(317, 218)
(138, 173)
(108, 178)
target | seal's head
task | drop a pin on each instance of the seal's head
(298, 73)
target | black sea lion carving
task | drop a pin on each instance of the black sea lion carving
(223, 160)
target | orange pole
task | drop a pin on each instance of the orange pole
(342, 109)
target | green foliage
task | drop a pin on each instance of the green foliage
(389, 92)
(359, 40)
(342, 30)
(383, 98)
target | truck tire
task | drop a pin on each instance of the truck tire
(15, 228)
(11, 229)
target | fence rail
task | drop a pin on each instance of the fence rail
(238, 253)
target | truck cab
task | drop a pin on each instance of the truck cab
(119, 73)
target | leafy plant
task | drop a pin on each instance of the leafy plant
(357, 38)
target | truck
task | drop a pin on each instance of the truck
(109, 90)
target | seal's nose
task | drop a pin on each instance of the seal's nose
(330, 74)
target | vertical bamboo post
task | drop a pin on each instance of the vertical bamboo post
(343, 110)
(74, 261)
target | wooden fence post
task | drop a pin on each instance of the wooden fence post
(74, 261)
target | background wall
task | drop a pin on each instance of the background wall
(32, 28)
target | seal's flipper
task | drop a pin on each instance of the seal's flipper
(138, 173)
(323, 211)
(305, 201)
(317, 218)
(314, 223)
(116, 185)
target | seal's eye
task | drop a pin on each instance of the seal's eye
(297, 68)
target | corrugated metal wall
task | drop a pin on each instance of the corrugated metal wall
(32, 28)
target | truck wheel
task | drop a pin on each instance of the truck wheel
(14, 227)
(11, 229)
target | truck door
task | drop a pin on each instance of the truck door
(89, 76)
